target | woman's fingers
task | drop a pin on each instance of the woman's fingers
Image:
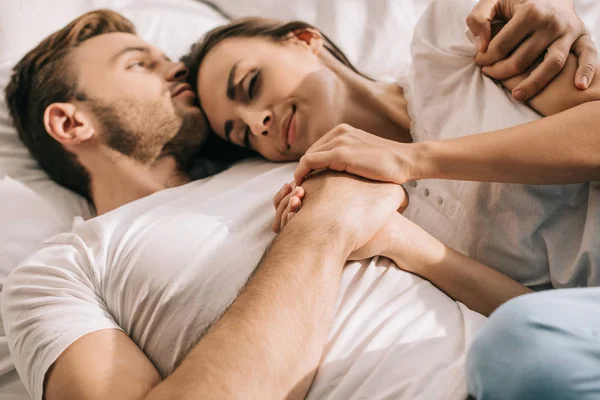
(289, 217)
(553, 63)
(284, 191)
(501, 46)
(280, 212)
(311, 162)
(521, 60)
(292, 206)
(291, 202)
(587, 59)
(479, 23)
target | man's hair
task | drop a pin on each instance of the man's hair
(45, 76)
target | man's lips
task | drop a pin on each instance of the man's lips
(287, 132)
(182, 88)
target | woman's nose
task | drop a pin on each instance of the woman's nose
(262, 123)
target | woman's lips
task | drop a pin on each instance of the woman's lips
(288, 130)
(291, 134)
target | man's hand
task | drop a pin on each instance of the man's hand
(288, 202)
(534, 26)
(352, 208)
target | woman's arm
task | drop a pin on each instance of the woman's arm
(560, 149)
(479, 287)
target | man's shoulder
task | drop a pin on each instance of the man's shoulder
(64, 254)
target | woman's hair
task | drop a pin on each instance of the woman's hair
(253, 27)
(250, 27)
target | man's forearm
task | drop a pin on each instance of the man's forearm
(479, 287)
(269, 342)
(560, 149)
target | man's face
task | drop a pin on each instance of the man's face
(138, 98)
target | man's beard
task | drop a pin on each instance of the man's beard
(190, 136)
(138, 131)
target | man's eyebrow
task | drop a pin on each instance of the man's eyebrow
(228, 129)
(129, 49)
(230, 84)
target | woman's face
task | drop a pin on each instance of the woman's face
(276, 98)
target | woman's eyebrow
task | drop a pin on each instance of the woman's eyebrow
(230, 84)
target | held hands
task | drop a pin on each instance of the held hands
(288, 202)
(357, 152)
(534, 26)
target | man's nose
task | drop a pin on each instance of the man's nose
(177, 72)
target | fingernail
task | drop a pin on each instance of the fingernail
(478, 43)
(485, 71)
(584, 81)
(519, 95)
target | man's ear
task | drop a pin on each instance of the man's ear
(67, 125)
(309, 37)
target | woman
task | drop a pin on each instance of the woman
(279, 88)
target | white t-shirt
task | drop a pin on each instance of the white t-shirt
(166, 266)
(535, 234)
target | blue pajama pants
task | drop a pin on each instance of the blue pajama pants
(543, 346)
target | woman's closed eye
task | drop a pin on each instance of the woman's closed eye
(247, 134)
(253, 84)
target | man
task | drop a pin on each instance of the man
(100, 114)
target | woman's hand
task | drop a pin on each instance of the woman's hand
(357, 152)
(288, 201)
(534, 27)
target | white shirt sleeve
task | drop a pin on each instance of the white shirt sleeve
(51, 300)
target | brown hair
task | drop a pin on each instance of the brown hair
(44, 76)
(253, 27)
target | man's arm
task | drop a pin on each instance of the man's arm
(267, 345)
(479, 287)
(269, 342)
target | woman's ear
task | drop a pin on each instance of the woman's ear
(67, 125)
(310, 37)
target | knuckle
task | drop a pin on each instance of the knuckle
(343, 127)
(532, 13)
(557, 60)
(533, 87)
(473, 20)
(502, 50)
(518, 66)
(554, 24)
(589, 67)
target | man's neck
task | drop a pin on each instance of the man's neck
(117, 183)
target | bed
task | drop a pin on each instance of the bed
(374, 34)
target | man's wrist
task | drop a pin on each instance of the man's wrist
(307, 229)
